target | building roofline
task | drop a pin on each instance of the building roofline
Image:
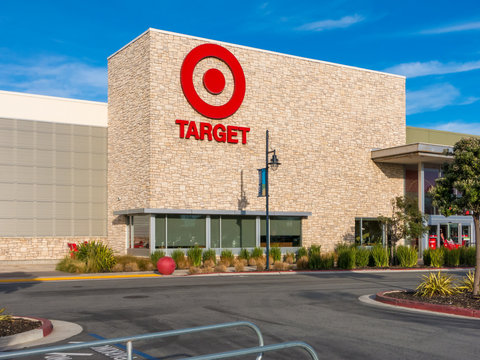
(209, 212)
(50, 97)
(254, 49)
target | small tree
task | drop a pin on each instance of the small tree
(459, 190)
(407, 221)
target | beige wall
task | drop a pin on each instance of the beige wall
(323, 118)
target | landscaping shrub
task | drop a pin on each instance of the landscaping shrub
(435, 284)
(227, 258)
(67, 264)
(289, 258)
(260, 264)
(244, 254)
(240, 265)
(437, 257)
(142, 263)
(314, 261)
(362, 257)
(131, 266)
(157, 255)
(346, 258)
(4, 317)
(209, 264)
(452, 257)
(314, 250)
(252, 262)
(257, 253)
(220, 268)
(210, 255)
(276, 254)
(467, 256)
(97, 256)
(342, 246)
(379, 255)
(302, 252)
(427, 258)
(302, 263)
(195, 256)
(466, 284)
(195, 269)
(280, 266)
(179, 257)
(406, 256)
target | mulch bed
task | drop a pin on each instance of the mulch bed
(461, 300)
(17, 326)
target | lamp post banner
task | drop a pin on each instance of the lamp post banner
(261, 183)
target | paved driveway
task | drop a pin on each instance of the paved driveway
(320, 309)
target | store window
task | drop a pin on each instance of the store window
(430, 175)
(141, 231)
(368, 232)
(185, 231)
(238, 232)
(284, 232)
(160, 235)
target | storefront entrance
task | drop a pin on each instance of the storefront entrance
(457, 232)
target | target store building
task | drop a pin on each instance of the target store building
(176, 164)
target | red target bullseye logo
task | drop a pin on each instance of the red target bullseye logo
(213, 81)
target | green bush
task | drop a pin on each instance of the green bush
(321, 262)
(452, 257)
(437, 257)
(467, 256)
(302, 252)
(67, 264)
(435, 284)
(427, 258)
(257, 253)
(97, 256)
(362, 257)
(195, 256)
(466, 284)
(178, 256)
(343, 246)
(276, 253)
(157, 255)
(346, 258)
(379, 256)
(227, 257)
(407, 256)
(244, 254)
(209, 255)
(314, 250)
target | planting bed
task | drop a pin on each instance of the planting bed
(461, 300)
(17, 326)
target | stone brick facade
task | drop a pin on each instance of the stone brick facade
(34, 249)
(324, 119)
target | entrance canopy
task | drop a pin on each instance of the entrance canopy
(411, 154)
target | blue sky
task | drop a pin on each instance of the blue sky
(60, 48)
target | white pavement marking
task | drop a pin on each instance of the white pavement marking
(370, 300)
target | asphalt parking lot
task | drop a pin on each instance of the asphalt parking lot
(321, 309)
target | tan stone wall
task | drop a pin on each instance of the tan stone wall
(129, 114)
(323, 118)
(47, 248)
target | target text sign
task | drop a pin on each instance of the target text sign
(214, 83)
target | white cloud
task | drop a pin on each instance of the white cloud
(330, 24)
(453, 28)
(431, 98)
(416, 69)
(459, 126)
(56, 76)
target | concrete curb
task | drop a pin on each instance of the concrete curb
(384, 298)
(27, 336)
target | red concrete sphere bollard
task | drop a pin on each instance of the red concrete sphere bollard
(166, 265)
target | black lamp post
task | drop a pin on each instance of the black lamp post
(274, 163)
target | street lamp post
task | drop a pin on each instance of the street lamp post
(274, 165)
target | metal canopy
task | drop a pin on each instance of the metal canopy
(414, 154)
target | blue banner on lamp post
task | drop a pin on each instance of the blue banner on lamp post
(261, 183)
